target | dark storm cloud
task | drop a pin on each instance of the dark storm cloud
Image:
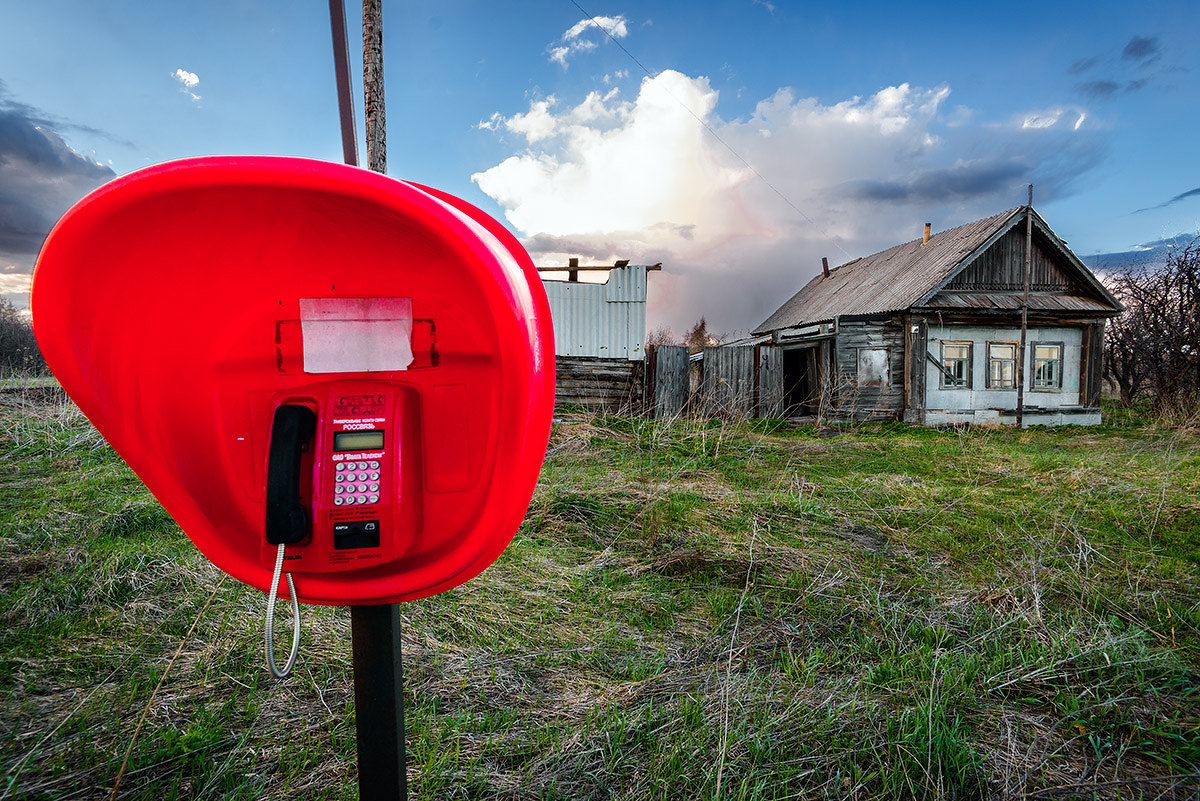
(1181, 196)
(1142, 49)
(962, 181)
(1140, 54)
(1083, 65)
(1098, 90)
(40, 176)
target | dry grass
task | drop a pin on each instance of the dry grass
(689, 611)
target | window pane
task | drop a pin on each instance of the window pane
(956, 364)
(1047, 366)
(872, 368)
(1002, 365)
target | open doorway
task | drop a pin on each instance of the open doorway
(801, 382)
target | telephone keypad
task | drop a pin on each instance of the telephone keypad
(356, 482)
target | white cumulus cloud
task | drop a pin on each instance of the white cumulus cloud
(740, 215)
(187, 81)
(586, 35)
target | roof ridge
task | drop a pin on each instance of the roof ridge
(887, 280)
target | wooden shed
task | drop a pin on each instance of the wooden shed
(929, 331)
(599, 333)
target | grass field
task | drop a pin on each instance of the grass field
(690, 611)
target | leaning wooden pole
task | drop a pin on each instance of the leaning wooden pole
(341, 71)
(373, 85)
(1024, 312)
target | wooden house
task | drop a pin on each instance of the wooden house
(929, 331)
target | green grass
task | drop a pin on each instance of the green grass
(777, 612)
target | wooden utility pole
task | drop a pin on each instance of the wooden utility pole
(373, 85)
(1024, 312)
(375, 630)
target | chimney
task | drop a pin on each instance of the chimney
(825, 266)
(926, 239)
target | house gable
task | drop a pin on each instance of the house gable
(1001, 268)
(992, 277)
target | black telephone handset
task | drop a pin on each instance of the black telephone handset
(292, 429)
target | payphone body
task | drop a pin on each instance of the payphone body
(287, 350)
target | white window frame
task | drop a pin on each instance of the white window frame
(1016, 347)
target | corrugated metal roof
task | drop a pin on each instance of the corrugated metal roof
(913, 275)
(891, 280)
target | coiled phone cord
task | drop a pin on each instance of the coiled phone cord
(271, 596)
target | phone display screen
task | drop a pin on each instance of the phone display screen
(358, 440)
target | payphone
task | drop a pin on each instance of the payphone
(298, 353)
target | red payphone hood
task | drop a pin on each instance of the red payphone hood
(167, 303)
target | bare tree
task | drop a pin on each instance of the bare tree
(1153, 349)
(19, 351)
(661, 336)
(699, 337)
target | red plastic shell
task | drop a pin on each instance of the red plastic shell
(167, 304)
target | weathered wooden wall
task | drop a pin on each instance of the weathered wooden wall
(741, 381)
(667, 380)
(770, 381)
(915, 359)
(1002, 267)
(851, 399)
(727, 382)
(608, 384)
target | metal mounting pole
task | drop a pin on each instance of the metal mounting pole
(379, 703)
(374, 630)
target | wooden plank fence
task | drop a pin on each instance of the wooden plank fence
(667, 381)
(737, 382)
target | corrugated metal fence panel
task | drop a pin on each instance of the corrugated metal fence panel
(589, 322)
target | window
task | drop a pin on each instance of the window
(956, 365)
(1047, 366)
(873, 368)
(1002, 365)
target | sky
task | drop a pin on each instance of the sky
(736, 142)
